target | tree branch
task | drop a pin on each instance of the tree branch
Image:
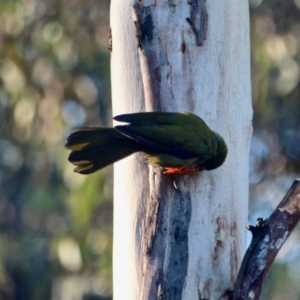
(268, 237)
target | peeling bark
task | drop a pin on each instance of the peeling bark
(167, 236)
(198, 20)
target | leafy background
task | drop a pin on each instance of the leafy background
(55, 225)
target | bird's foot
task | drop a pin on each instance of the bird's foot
(185, 170)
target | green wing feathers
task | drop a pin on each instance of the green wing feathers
(165, 139)
(181, 134)
(96, 148)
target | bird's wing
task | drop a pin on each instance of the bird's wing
(184, 135)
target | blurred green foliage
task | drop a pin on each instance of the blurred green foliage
(55, 225)
(275, 147)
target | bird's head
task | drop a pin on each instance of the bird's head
(220, 154)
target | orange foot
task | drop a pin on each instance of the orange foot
(185, 170)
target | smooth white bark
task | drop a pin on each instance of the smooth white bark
(212, 81)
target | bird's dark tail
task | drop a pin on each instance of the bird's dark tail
(96, 148)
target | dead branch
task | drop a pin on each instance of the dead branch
(268, 237)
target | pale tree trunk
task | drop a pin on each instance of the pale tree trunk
(181, 56)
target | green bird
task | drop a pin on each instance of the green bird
(180, 143)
